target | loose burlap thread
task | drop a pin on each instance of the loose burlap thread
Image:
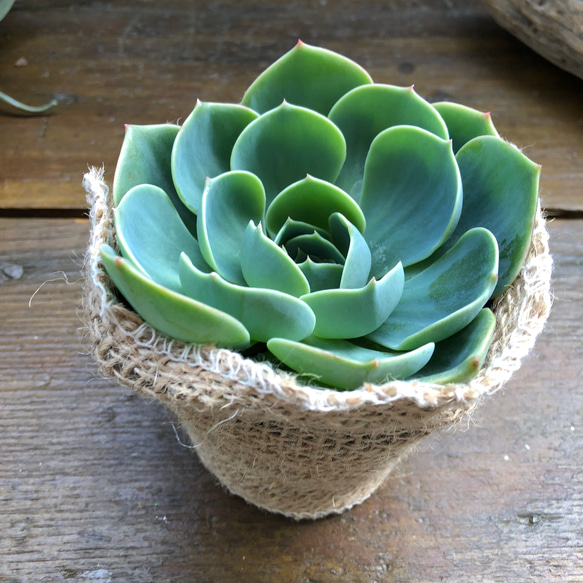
(283, 445)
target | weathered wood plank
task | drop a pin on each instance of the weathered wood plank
(138, 62)
(95, 486)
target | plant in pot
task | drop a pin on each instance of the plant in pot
(316, 278)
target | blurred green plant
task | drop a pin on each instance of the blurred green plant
(351, 229)
(5, 6)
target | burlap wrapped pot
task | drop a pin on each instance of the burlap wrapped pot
(289, 448)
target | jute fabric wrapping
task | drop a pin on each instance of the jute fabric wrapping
(286, 447)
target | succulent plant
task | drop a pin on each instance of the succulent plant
(351, 230)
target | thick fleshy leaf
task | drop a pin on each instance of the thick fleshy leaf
(464, 123)
(292, 228)
(203, 147)
(312, 201)
(152, 236)
(500, 193)
(265, 264)
(345, 366)
(264, 312)
(458, 359)
(349, 241)
(145, 159)
(350, 313)
(445, 297)
(411, 197)
(228, 203)
(172, 313)
(365, 112)
(314, 246)
(285, 144)
(322, 275)
(308, 76)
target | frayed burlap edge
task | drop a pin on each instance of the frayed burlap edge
(282, 445)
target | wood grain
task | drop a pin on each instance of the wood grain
(95, 486)
(139, 62)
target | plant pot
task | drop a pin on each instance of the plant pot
(301, 451)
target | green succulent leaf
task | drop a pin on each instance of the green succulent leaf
(228, 203)
(445, 297)
(344, 365)
(314, 246)
(266, 265)
(365, 112)
(500, 193)
(203, 147)
(312, 201)
(292, 228)
(172, 313)
(154, 251)
(287, 143)
(308, 76)
(458, 359)
(145, 159)
(464, 123)
(350, 313)
(322, 275)
(411, 196)
(349, 241)
(265, 313)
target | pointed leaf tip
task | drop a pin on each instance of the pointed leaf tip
(308, 76)
(172, 313)
(344, 365)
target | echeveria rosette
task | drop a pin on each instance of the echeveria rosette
(351, 229)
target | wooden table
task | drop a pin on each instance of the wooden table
(94, 486)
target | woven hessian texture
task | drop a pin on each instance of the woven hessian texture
(286, 447)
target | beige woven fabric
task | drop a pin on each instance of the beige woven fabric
(290, 448)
